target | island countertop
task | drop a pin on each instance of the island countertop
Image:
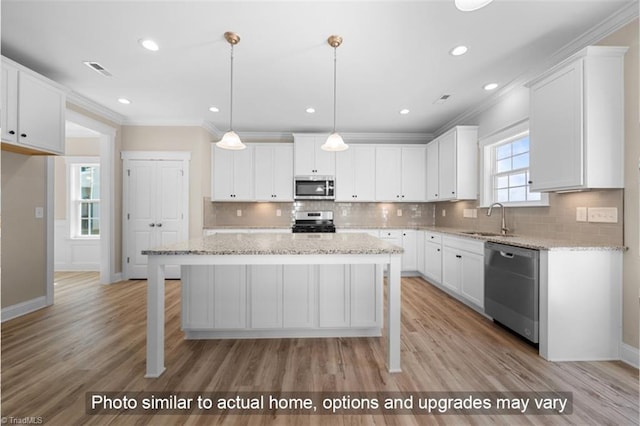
(278, 244)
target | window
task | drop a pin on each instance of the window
(506, 169)
(84, 195)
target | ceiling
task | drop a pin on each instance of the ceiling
(395, 55)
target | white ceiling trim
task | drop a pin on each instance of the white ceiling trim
(610, 25)
(85, 103)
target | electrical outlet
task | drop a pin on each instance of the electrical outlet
(399, 212)
(602, 214)
(278, 212)
(344, 212)
(39, 212)
(581, 214)
(444, 212)
(238, 212)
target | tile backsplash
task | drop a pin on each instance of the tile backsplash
(557, 221)
(345, 214)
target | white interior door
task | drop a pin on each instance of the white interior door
(156, 210)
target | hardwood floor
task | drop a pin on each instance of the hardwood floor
(93, 340)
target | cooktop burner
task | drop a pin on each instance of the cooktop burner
(321, 221)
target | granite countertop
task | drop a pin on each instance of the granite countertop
(525, 241)
(278, 244)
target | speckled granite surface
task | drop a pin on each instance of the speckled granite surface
(286, 243)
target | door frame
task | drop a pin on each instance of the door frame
(107, 205)
(185, 157)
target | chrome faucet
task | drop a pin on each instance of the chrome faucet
(503, 229)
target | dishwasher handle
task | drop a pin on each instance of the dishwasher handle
(505, 254)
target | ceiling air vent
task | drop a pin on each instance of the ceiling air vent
(442, 99)
(97, 68)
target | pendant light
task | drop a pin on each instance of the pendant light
(334, 141)
(471, 5)
(231, 140)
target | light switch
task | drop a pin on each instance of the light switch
(39, 212)
(278, 212)
(238, 212)
(444, 212)
(581, 214)
(399, 212)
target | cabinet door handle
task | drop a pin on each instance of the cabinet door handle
(159, 225)
(435, 195)
(12, 132)
(530, 182)
(152, 225)
(437, 249)
(458, 256)
(23, 135)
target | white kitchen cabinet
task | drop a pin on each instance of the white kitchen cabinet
(420, 252)
(410, 255)
(356, 174)
(433, 167)
(309, 158)
(463, 268)
(299, 296)
(433, 257)
(400, 173)
(229, 297)
(333, 296)
(33, 111)
(366, 296)
(232, 175)
(273, 172)
(457, 169)
(577, 122)
(265, 296)
(197, 297)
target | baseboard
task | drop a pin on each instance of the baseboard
(630, 355)
(117, 277)
(23, 308)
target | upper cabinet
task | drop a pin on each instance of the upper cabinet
(232, 174)
(33, 111)
(273, 172)
(576, 122)
(310, 159)
(356, 174)
(452, 165)
(400, 173)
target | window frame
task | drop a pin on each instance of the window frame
(487, 165)
(73, 201)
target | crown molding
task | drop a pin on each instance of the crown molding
(85, 103)
(614, 22)
(387, 137)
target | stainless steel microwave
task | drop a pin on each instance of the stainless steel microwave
(314, 188)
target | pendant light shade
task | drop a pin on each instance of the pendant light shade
(334, 141)
(231, 140)
(471, 5)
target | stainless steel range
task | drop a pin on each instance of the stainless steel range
(314, 222)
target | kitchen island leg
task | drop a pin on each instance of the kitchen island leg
(393, 315)
(155, 318)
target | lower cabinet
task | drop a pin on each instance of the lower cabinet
(463, 268)
(433, 261)
(282, 300)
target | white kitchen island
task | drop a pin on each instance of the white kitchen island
(272, 249)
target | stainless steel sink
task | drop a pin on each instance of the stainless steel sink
(485, 234)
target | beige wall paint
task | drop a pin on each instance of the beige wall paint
(628, 36)
(23, 236)
(192, 139)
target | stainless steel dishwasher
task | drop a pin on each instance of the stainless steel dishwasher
(511, 294)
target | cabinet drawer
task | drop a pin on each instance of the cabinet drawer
(390, 233)
(433, 237)
(467, 244)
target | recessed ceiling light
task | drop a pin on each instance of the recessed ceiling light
(214, 109)
(459, 50)
(470, 5)
(149, 44)
(404, 111)
(310, 110)
(490, 86)
(124, 101)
